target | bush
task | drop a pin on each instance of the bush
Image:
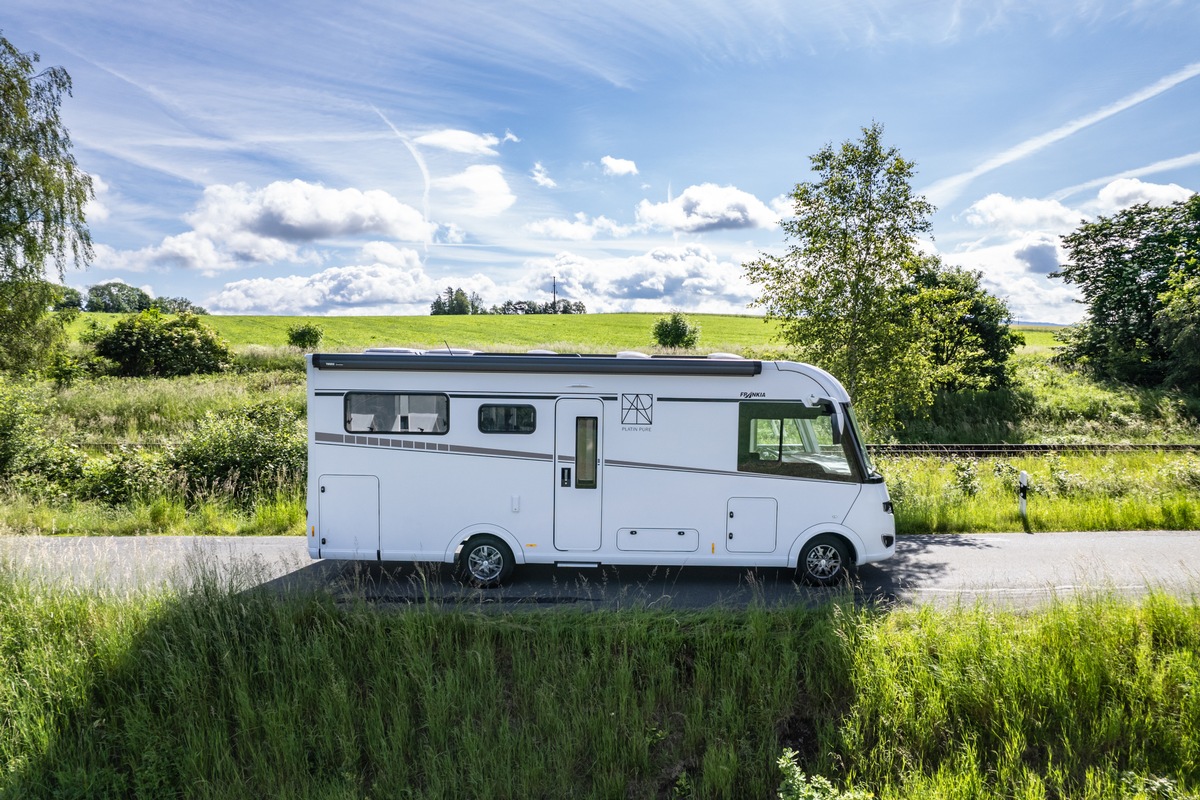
(798, 786)
(151, 345)
(247, 454)
(20, 416)
(676, 331)
(306, 336)
(118, 478)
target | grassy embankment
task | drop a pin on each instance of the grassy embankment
(1046, 404)
(225, 695)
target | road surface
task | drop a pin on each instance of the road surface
(1005, 568)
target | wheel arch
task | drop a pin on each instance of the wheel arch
(841, 531)
(450, 555)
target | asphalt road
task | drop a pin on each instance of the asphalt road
(1007, 569)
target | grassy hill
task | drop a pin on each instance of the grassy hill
(592, 333)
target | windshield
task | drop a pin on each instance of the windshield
(859, 446)
(794, 440)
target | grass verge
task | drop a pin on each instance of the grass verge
(216, 693)
(1125, 491)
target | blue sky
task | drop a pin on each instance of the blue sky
(358, 157)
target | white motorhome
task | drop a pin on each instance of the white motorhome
(489, 461)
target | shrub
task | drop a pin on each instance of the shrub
(21, 409)
(246, 454)
(118, 478)
(306, 336)
(676, 331)
(798, 786)
(151, 345)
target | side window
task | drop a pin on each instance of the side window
(507, 419)
(793, 440)
(390, 412)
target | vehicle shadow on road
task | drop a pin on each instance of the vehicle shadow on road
(603, 588)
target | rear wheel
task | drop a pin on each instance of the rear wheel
(485, 561)
(824, 560)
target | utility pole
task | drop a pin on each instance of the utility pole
(554, 294)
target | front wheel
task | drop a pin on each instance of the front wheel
(485, 561)
(824, 560)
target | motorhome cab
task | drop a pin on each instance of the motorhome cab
(490, 461)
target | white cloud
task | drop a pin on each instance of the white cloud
(690, 277)
(1017, 272)
(479, 190)
(390, 255)
(370, 289)
(234, 226)
(1005, 213)
(618, 166)
(580, 229)
(455, 141)
(1126, 192)
(96, 210)
(708, 207)
(541, 177)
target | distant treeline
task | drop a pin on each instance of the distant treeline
(121, 298)
(456, 301)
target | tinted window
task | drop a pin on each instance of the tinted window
(507, 419)
(389, 412)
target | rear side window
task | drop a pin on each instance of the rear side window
(507, 419)
(392, 412)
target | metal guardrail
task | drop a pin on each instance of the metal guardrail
(1008, 450)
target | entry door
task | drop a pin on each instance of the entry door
(349, 516)
(578, 477)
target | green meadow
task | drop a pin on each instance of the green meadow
(584, 333)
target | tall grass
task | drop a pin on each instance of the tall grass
(156, 411)
(1076, 492)
(217, 693)
(1051, 404)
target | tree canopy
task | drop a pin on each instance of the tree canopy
(839, 291)
(42, 190)
(117, 298)
(42, 198)
(1133, 269)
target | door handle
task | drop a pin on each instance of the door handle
(566, 477)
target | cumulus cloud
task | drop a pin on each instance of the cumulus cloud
(1040, 257)
(366, 289)
(541, 177)
(579, 229)
(708, 207)
(618, 166)
(96, 209)
(1005, 213)
(455, 141)
(480, 190)
(1016, 271)
(691, 277)
(1126, 192)
(235, 226)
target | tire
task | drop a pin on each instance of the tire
(485, 561)
(824, 560)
